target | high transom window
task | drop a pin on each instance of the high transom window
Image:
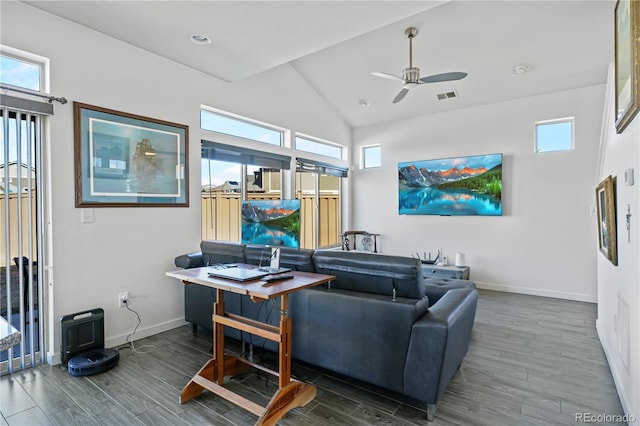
(228, 124)
(20, 73)
(319, 147)
(554, 135)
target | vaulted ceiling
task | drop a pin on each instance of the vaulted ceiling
(335, 45)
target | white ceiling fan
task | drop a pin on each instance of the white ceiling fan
(411, 75)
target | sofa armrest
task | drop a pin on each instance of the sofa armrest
(190, 260)
(439, 341)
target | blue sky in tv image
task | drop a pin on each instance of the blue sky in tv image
(271, 222)
(451, 186)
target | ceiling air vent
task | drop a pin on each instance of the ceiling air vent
(447, 95)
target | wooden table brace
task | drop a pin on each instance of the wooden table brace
(290, 394)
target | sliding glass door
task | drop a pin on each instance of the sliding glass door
(21, 246)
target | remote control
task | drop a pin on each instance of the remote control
(271, 278)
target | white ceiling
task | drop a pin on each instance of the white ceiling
(335, 45)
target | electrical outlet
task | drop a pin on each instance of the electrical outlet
(123, 299)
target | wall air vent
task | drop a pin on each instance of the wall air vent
(447, 95)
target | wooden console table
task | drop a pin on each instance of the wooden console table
(290, 393)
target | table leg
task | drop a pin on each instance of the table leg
(285, 343)
(289, 394)
(213, 370)
(218, 336)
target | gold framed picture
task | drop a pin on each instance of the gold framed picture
(607, 228)
(627, 62)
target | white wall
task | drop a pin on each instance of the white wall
(621, 338)
(129, 249)
(543, 243)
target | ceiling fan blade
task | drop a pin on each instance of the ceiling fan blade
(400, 95)
(385, 75)
(447, 76)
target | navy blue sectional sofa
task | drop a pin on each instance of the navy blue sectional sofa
(380, 321)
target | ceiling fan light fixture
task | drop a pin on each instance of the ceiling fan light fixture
(411, 74)
(200, 39)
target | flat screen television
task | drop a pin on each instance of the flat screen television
(451, 186)
(271, 222)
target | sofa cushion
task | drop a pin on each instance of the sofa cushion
(436, 287)
(221, 252)
(189, 260)
(372, 273)
(294, 258)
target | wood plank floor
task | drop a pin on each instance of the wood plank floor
(532, 361)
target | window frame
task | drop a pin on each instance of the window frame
(363, 157)
(40, 62)
(243, 120)
(538, 124)
(322, 142)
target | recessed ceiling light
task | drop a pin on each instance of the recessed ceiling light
(364, 103)
(200, 39)
(520, 69)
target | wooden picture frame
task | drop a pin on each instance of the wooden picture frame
(627, 62)
(127, 160)
(607, 227)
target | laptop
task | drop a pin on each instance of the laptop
(238, 274)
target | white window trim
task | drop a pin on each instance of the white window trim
(242, 118)
(33, 59)
(363, 148)
(554, 121)
(283, 132)
(343, 149)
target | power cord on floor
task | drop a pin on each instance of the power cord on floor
(130, 342)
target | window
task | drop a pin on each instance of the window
(371, 156)
(318, 186)
(241, 127)
(22, 197)
(230, 174)
(20, 73)
(233, 171)
(315, 146)
(554, 135)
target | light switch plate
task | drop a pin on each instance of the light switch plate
(86, 215)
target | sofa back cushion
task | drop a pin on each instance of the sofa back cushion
(221, 252)
(297, 259)
(372, 273)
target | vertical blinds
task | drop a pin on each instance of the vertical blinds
(21, 199)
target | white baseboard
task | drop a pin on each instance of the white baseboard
(624, 400)
(54, 358)
(538, 292)
(141, 333)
